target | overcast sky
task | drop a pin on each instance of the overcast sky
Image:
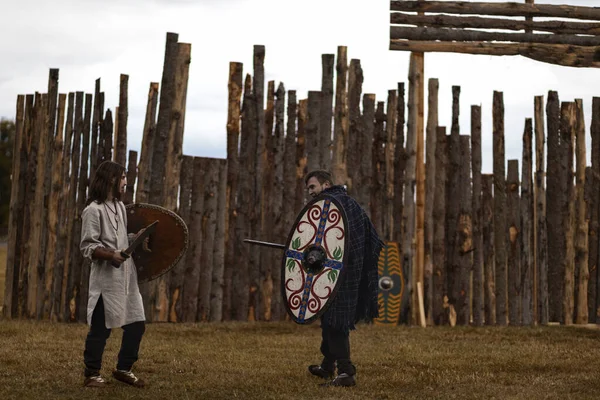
(90, 39)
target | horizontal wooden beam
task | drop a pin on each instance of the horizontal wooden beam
(453, 21)
(506, 9)
(443, 34)
(559, 54)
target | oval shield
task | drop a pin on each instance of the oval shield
(167, 244)
(391, 285)
(314, 259)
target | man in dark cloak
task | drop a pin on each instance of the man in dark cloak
(356, 298)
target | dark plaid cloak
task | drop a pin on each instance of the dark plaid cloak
(356, 298)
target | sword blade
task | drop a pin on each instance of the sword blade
(265, 244)
(143, 235)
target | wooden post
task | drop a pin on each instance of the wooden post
(54, 227)
(340, 121)
(176, 126)
(313, 144)
(123, 115)
(390, 149)
(372, 163)
(131, 177)
(500, 227)
(527, 242)
(233, 169)
(593, 208)
(216, 289)
(430, 181)
(464, 234)
(326, 111)
(541, 233)
(400, 157)
(145, 166)
(161, 136)
(15, 215)
(487, 230)
(409, 218)
(554, 211)
(453, 202)
(567, 136)
(277, 217)
(107, 134)
(301, 158)
(355, 81)
(96, 126)
(419, 59)
(514, 233)
(581, 221)
(477, 213)
(439, 228)
(176, 280)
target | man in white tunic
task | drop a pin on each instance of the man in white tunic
(114, 297)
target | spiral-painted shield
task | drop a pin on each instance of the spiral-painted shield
(315, 258)
(167, 245)
(391, 285)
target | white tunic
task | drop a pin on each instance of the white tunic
(118, 286)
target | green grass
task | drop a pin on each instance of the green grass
(269, 360)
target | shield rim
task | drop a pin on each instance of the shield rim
(178, 221)
(342, 275)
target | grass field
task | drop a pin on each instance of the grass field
(41, 360)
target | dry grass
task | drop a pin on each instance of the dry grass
(268, 361)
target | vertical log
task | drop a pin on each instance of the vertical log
(277, 217)
(430, 181)
(554, 210)
(376, 178)
(216, 289)
(178, 275)
(527, 242)
(240, 276)
(478, 274)
(355, 81)
(409, 217)
(72, 269)
(96, 126)
(131, 177)
(176, 126)
(514, 233)
(54, 227)
(340, 121)
(107, 134)
(419, 60)
(233, 169)
(36, 255)
(594, 229)
(390, 149)
(301, 157)
(326, 111)
(452, 201)
(581, 221)
(313, 144)
(81, 266)
(122, 115)
(399, 167)
(192, 264)
(64, 248)
(487, 230)
(465, 234)
(15, 215)
(541, 233)
(161, 136)
(438, 253)
(145, 166)
(567, 136)
(500, 227)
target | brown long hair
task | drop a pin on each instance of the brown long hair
(107, 175)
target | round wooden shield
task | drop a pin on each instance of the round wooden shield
(391, 285)
(167, 244)
(319, 231)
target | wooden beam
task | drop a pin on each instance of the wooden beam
(446, 34)
(462, 22)
(505, 9)
(560, 54)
